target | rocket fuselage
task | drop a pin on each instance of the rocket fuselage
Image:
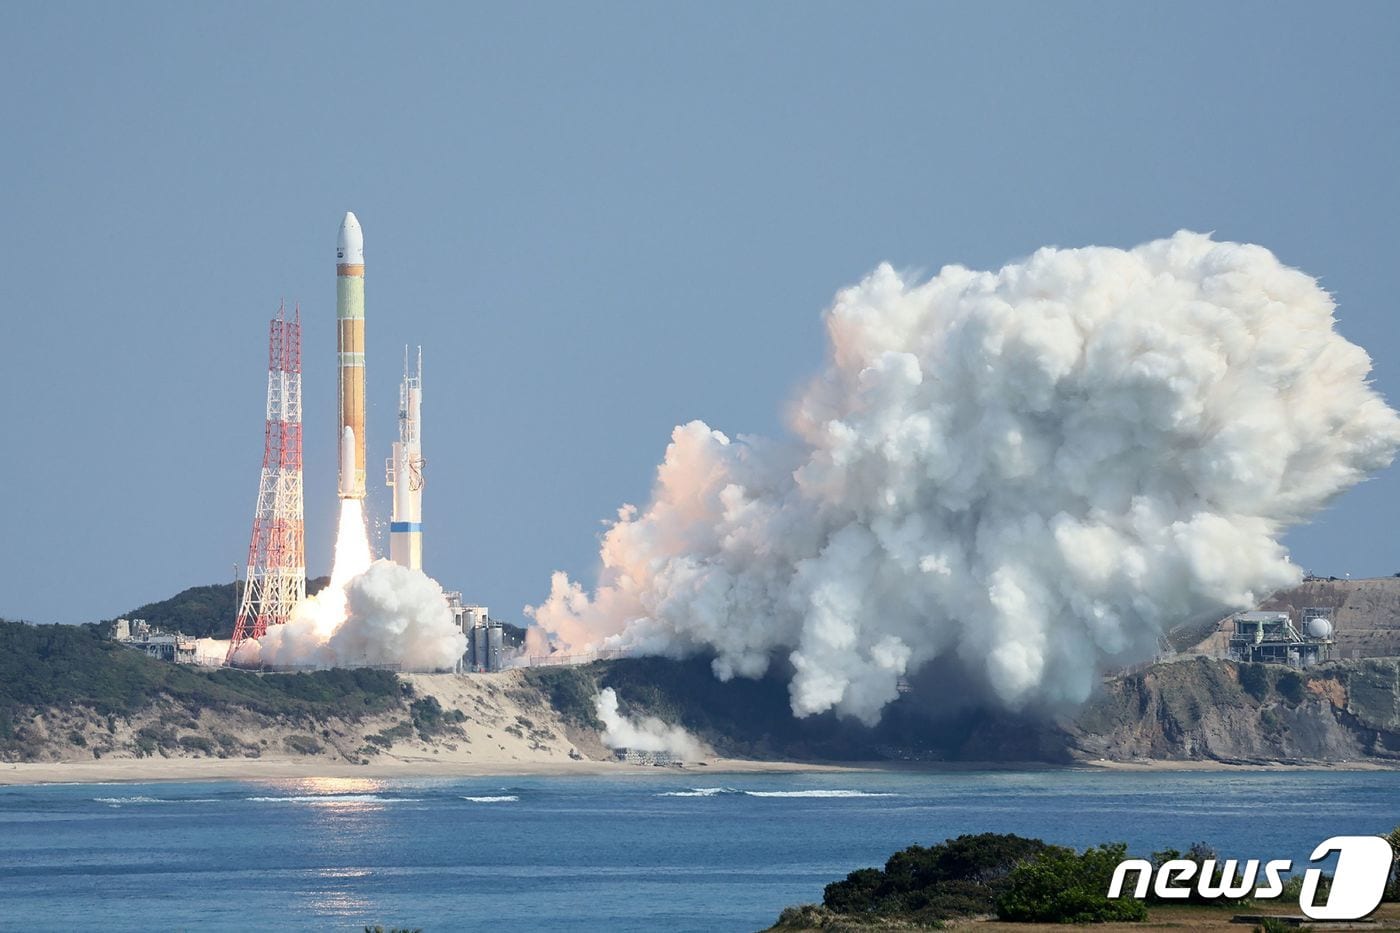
(405, 472)
(350, 346)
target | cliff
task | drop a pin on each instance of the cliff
(1202, 709)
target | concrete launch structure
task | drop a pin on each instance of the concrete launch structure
(350, 344)
(404, 472)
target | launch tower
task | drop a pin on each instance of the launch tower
(277, 552)
(404, 472)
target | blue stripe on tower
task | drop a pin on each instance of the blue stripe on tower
(404, 526)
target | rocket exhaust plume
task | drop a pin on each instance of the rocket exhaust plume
(1028, 474)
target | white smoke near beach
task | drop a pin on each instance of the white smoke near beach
(1028, 473)
(647, 734)
(388, 615)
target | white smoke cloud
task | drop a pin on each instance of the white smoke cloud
(648, 734)
(1030, 472)
(210, 652)
(387, 615)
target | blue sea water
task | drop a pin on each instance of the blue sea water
(664, 851)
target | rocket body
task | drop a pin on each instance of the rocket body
(350, 346)
(405, 473)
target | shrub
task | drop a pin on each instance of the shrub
(1290, 687)
(1199, 853)
(1254, 680)
(196, 743)
(1392, 891)
(1060, 886)
(303, 744)
(958, 878)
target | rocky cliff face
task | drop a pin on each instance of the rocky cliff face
(1195, 709)
(1202, 709)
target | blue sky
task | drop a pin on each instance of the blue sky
(599, 221)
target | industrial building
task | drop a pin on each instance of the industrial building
(1271, 637)
(163, 646)
(485, 637)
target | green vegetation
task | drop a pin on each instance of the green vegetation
(1392, 891)
(1273, 925)
(63, 667)
(386, 737)
(806, 917)
(1012, 877)
(304, 744)
(962, 877)
(1199, 853)
(1017, 880)
(570, 690)
(1062, 886)
(1290, 687)
(1254, 680)
(1260, 680)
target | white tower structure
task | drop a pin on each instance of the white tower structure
(404, 472)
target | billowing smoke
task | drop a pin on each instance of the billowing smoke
(373, 613)
(648, 734)
(1029, 473)
(393, 616)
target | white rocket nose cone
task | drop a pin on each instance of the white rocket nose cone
(350, 245)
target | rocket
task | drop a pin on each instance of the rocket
(350, 344)
(404, 472)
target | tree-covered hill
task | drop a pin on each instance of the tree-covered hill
(201, 611)
(59, 667)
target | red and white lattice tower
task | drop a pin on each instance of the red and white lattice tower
(277, 552)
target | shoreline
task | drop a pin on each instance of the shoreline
(163, 770)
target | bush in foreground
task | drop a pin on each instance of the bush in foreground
(962, 877)
(1062, 886)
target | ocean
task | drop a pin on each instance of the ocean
(665, 851)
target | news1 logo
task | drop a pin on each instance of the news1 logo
(1358, 884)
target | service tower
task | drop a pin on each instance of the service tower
(350, 342)
(404, 472)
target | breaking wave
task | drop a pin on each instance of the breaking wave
(818, 794)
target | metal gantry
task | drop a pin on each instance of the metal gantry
(276, 572)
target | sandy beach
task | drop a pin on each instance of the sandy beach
(143, 770)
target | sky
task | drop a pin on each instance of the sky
(599, 221)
